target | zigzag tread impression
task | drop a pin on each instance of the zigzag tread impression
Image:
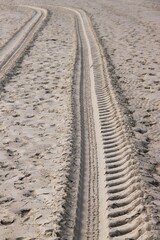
(122, 211)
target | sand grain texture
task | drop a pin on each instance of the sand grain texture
(12, 18)
(35, 135)
(37, 127)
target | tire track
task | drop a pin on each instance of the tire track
(116, 207)
(15, 47)
(109, 202)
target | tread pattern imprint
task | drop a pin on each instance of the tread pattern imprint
(110, 203)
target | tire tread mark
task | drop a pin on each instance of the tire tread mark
(127, 224)
(123, 213)
(28, 32)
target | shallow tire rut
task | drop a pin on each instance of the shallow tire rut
(113, 206)
(15, 48)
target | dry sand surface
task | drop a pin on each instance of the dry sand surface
(11, 20)
(35, 135)
(36, 115)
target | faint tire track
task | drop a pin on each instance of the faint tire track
(15, 47)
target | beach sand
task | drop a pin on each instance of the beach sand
(36, 107)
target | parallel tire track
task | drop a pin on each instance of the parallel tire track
(16, 46)
(118, 206)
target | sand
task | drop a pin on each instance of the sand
(35, 135)
(36, 114)
(130, 35)
(11, 20)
